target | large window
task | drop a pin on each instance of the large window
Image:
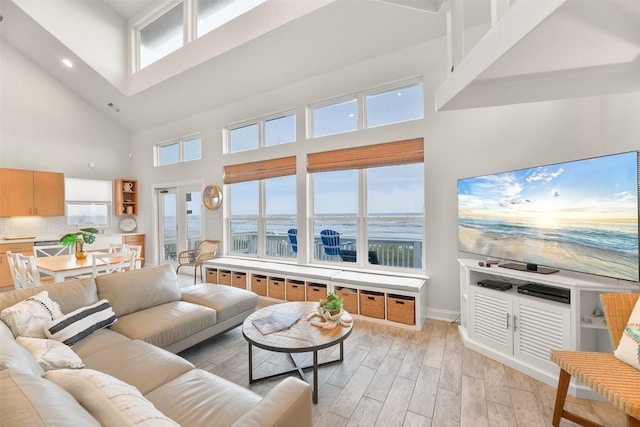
(160, 37)
(182, 150)
(88, 201)
(368, 205)
(263, 205)
(265, 132)
(382, 107)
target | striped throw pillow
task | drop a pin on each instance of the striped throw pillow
(80, 323)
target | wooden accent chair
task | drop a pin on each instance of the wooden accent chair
(603, 372)
(196, 257)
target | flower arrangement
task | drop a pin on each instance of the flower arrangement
(332, 303)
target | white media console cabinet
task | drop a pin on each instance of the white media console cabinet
(396, 299)
(521, 330)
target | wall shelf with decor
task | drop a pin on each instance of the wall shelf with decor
(126, 191)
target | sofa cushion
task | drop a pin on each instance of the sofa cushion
(69, 295)
(165, 324)
(142, 365)
(227, 301)
(111, 401)
(51, 354)
(29, 400)
(136, 290)
(201, 398)
(98, 341)
(27, 318)
(80, 323)
(15, 357)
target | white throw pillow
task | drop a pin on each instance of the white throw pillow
(629, 348)
(51, 354)
(111, 401)
(27, 318)
(74, 326)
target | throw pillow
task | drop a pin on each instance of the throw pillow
(16, 358)
(111, 401)
(51, 354)
(80, 323)
(629, 348)
(27, 318)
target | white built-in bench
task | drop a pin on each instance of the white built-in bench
(376, 296)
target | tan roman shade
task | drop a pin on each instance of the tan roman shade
(260, 170)
(388, 154)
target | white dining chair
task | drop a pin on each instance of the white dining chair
(119, 247)
(17, 271)
(51, 250)
(116, 247)
(31, 275)
(113, 262)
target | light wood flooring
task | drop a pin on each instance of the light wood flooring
(398, 377)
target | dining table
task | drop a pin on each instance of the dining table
(61, 267)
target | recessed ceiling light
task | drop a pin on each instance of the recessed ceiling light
(67, 62)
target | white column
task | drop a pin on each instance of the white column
(455, 33)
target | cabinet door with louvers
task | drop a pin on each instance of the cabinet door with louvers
(490, 319)
(539, 327)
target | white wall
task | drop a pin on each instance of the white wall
(46, 126)
(457, 144)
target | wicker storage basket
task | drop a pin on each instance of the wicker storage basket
(350, 299)
(212, 276)
(276, 287)
(224, 277)
(295, 290)
(259, 285)
(401, 309)
(316, 291)
(372, 304)
(239, 280)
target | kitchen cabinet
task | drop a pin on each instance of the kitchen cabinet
(20, 248)
(126, 191)
(31, 193)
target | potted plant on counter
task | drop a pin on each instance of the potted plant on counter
(79, 238)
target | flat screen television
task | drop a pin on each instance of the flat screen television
(580, 216)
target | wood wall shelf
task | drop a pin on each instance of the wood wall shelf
(126, 191)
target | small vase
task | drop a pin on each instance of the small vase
(81, 255)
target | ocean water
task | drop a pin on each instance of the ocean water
(616, 237)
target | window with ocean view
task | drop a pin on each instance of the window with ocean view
(88, 201)
(392, 234)
(263, 230)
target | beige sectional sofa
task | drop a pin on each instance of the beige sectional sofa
(130, 374)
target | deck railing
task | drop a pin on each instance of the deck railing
(403, 253)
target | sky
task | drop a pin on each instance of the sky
(596, 189)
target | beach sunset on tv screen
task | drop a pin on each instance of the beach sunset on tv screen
(579, 216)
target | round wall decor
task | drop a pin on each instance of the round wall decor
(212, 197)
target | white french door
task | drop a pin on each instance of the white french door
(179, 221)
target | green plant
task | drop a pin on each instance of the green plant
(85, 235)
(333, 303)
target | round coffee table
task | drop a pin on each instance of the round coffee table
(301, 337)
